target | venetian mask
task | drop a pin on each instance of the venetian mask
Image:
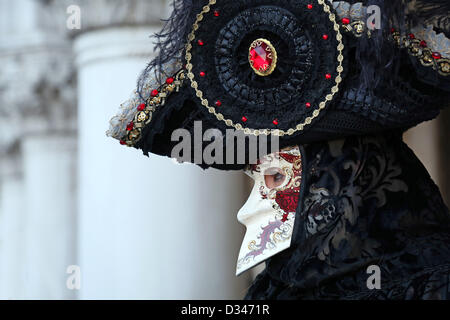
(269, 212)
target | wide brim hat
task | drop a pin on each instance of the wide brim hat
(299, 70)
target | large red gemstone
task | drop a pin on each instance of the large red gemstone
(261, 57)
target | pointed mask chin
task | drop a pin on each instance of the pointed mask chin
(269, 212)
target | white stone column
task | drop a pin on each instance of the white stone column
(37, 112)
(50, 193)
(12, 228)
(444, 154)
(424, 140)
(148, 228)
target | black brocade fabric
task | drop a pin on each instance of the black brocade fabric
(364, 201)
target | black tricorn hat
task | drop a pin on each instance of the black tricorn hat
(300, 70)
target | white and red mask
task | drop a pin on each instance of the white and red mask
(269, 212)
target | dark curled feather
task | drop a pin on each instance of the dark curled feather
(374, 55)
(435, 12)
(170, 42)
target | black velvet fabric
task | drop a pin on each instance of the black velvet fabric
(365, 201)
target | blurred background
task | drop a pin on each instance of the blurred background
(73, 199)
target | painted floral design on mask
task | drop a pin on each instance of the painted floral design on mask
(269, 213)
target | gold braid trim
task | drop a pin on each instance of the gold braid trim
(415, 46)
(143, 117)
(419, 49)
(257, 132)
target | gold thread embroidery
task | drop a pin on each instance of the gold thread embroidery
(423, 53)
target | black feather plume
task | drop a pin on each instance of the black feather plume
(170, 42)
(374, 54)
(434, 12)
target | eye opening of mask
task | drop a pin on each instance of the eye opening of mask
(274, 177)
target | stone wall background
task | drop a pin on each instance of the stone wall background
(136, 228)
